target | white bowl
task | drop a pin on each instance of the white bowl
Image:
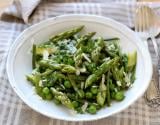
(19, 62)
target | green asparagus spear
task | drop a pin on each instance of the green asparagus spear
(47, 72)
(112, 48)
(50, 64)
(101, 96)
(54, 66)
(68, 69)
(111, 39)
(78, 56)
(66, 34)
(108, 89)
(85, 38)
(34, 56)
(34, 79)
(101, 70)
(98, 47)
(80, 93)
(118, 75)
(62, 97)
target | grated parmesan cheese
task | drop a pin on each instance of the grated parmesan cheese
(45, 55)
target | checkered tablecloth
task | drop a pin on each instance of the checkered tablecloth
(12, 109)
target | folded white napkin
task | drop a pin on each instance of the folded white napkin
(22, 8)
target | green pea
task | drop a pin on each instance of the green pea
(67, 84)
(89, 95)
(94, 90)
(75, 104)
(92, 109)
(45, 90)
(49, 96)
(119, 96)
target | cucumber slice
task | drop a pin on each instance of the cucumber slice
(40, 50)
(132, 59)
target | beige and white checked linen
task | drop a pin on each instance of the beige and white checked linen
(14, 112)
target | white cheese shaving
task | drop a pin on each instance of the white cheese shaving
(124, 73)
(111, 47)
(103, 86)
(71, 48)
(115, 89)
(128, 79)
(106, 59)
(83, 69)
(131, 86)
(119, 83)
(34, 71)
(103, 78)
(128, 84)
(84, 106)
(82, 85)
(66, 41)
(86, 57)
(40, 83)
(44, 80)
(45, 55)
(62, 86)
(77, 72)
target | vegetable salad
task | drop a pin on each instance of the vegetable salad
(82, 72)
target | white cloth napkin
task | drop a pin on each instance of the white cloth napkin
(22, 8)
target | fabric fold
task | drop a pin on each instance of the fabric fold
(22, 8)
